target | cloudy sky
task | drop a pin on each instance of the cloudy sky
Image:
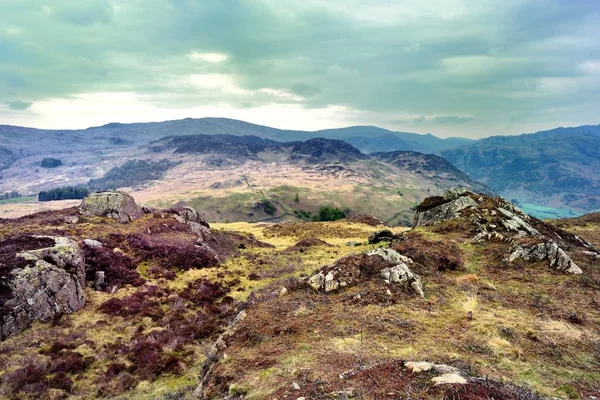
(451, 67)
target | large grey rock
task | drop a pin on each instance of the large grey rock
(547, 251)
(116, 205)
(444, 212)
(188, 214)
(51, 285)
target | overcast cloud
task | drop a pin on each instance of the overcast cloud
(451, 67)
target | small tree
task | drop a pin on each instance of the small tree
(297, 199)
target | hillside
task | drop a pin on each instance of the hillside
(246, 178)
(558, 168)
(6, 157)
(478, 301)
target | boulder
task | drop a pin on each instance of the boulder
(446, 211)
(47, 283)
(188, 214)
(384, 235)
(119, 206)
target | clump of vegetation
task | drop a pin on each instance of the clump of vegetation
(132, 173)
(433, 255)
(169, 254)
(431, 202)
(50, 162)
(64, 193)
(267, 206)
(327, 213)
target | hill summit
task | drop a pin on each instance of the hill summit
(477, 301)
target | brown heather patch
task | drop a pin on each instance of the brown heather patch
(431, 255)
(311, 229)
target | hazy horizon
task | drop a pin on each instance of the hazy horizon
(453, 68)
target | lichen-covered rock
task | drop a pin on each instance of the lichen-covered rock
(547, 251)
(455, 192)
(119, 206)
(446, 211)
(49, 283)
(514, 222)
(386, 264)
(188, 214)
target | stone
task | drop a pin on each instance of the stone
(418, 366)
(384, 235)
(317, 281)
(449, 379)
(51, 285)
(93, 243)
(354, 244)
(119, 206)
(99, 279)
(71, 219)
(295, 386)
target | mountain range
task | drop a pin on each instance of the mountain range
(551, 173)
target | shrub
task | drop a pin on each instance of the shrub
(70, 362)
(203, 292)
(143, 303)
(327, 213)
(50, 162)
(267, 206)
(431, 202)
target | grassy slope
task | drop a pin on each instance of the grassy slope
(520, 330)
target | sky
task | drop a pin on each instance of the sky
(470, 68)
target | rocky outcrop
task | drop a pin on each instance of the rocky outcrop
(547, 251)
(458, 200)
(119, 206)
(48, 284)
(385, 264)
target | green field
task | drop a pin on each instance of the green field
(542, 212)
(15, 200)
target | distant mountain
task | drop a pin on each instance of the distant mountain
(382, 143)
(557, 168)
(29, 141)
(432, 167)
